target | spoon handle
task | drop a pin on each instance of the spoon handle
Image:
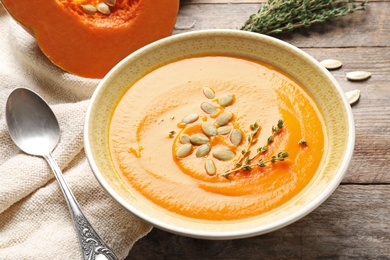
(91, 244)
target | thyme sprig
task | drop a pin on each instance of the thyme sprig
(303, 142)
(251, 140)
(261, 163)
(245, 162)
(276, 16)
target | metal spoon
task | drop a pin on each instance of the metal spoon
(34, 129)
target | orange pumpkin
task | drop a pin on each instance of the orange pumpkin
(88, 37)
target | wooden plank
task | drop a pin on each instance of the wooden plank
(197, 2)
(370, 27)
(214, 16)
(352, 223)
(237, 1)
(371, 113)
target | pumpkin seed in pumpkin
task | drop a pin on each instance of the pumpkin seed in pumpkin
(103, 8)
(89, 9)
(110, 2)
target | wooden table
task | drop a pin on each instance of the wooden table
(355, 221)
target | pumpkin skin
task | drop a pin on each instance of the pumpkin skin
(90, 45)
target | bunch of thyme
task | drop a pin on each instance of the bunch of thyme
(276, 16)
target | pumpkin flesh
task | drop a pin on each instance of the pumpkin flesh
(90, 45)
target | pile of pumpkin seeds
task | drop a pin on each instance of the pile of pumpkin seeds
(200, 142)
(103, 7)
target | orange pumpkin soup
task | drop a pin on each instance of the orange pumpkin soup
(217, 137)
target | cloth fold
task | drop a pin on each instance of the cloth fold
(35, 222)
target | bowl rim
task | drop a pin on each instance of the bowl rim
(222, 235)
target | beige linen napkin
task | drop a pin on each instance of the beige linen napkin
(35, 222)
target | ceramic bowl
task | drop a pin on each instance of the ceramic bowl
(323, 88)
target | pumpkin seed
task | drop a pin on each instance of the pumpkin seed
(89, 9)
(236, 137)
(110, 2)
(103, 8)
(208, 108)
(224, 130)
(185, 139)
(184, 150)
(208, 92)
(209, 129)
(353, 96)
(210, 167)
(203, 150)
(358, 75)
(223, 154)
(224, 118)
(331, 64)
(190, 118)
(226, 100)
(199, 139)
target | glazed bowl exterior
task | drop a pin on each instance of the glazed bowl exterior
(316, 80)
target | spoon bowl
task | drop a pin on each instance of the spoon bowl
(32, 125)
(35, 130)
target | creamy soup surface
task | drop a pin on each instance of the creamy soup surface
(270, 111)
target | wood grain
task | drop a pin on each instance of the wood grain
(371, 113)
(354, 222)
(329, 232)
(369, 27)
(238, 1)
